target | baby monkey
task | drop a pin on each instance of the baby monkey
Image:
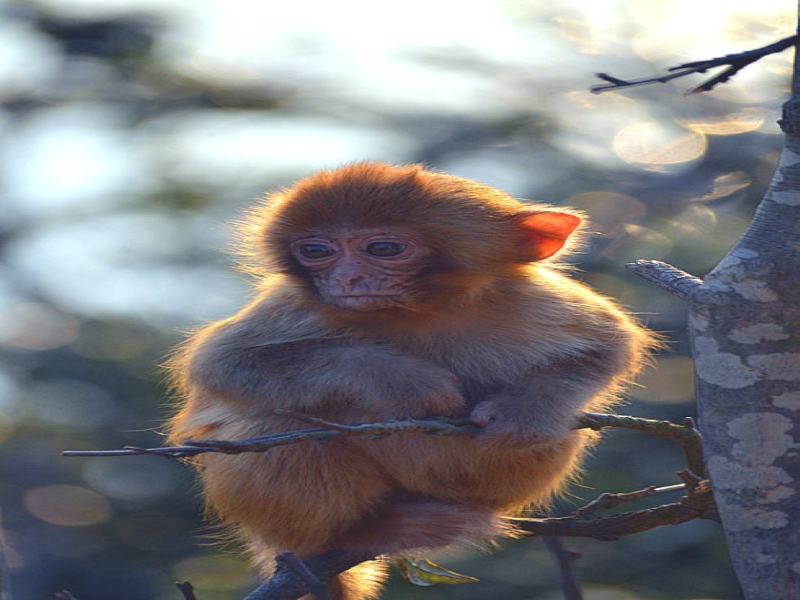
(396, 292)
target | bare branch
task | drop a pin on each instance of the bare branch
(698, 503)
(735, 62)
(607, 501)
(565, 560)
(671, 279)
(187, 589)
(685, 435)
(312, 584)
(434, 426)
(294, 578)
(285, 584)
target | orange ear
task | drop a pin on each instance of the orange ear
(546, 232)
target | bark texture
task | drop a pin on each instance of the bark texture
(745, 326)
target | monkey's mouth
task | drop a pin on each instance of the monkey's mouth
(365, 302)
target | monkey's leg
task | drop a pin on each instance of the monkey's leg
(405, 523)
(412, 522)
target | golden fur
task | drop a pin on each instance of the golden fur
(490, 333)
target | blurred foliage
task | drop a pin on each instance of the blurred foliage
(126, 148)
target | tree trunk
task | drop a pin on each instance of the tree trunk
(745, 325)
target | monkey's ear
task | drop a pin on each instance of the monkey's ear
(545, 233)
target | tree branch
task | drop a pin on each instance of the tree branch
(311, 582)
(698, 503)
(286, 584)
(668, 278)
(187, 589)
(607, 501)
(685, 435)
(294, 578)
(434, 426)
(736, 62)
(565, 561)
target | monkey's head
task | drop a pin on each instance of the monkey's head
(373, 237)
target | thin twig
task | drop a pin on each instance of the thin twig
(735, 62)
(565, 561)
(697, 504)
(311, 420)
(685, 435)
(436, 426)
(607, 500)
(187, 589)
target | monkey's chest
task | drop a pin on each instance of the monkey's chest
(483, 367)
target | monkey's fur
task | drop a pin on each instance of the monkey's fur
(390, 292)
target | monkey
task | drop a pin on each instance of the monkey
(394, 292)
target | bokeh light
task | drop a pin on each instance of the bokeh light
(36, 326)
(654, 146)
(67, 505)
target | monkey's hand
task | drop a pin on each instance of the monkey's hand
(509, 423)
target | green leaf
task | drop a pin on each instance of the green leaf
(421, 571)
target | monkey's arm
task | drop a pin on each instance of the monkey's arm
(542, 406)
(583, 350)
(231, 363)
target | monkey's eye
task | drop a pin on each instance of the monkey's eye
(385, 249)
(315, 251)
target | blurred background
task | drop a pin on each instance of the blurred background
(132, 132)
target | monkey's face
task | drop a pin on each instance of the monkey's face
(364, 269)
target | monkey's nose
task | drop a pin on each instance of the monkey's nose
(356, 279)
